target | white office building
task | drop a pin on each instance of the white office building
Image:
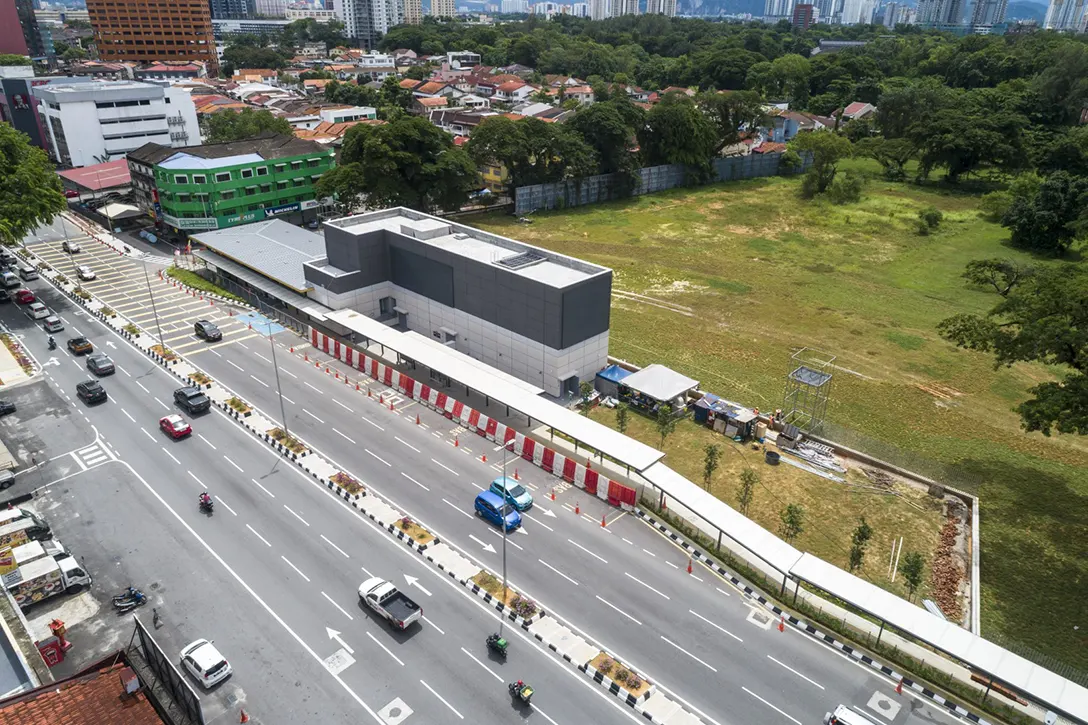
(97, 121)
(272, 8)
(624, 7)
(600, 9)
(1066, 15)
(367, 20)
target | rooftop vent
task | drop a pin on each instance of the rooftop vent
(521, 261)
(461, 235)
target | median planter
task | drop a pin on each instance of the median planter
(614, 675)
(292, 444)
(349, 484)
(407, 528)
(514, 605)
(239, 407)
(131, 329)
(199, 379)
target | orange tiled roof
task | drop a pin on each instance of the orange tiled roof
(430, 88)
(85, 700)
(511, 86)
(435, 102)
(410, 83)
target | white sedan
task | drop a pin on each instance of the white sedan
(204, 662)
(85, 272)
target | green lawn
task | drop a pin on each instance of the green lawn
(767, 273)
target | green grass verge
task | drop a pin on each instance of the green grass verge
(194, 280)
(766, 273)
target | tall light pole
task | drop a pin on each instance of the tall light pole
(151, 296)
(505, 503)
(279, 390)
(71, 257)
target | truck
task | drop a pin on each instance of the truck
(20, 531)
(391, 603)
(43, 578)
(11, 559)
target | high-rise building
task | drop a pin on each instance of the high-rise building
(778, 8)
(1065, 15)
(271, 8)
(802, 16)
(152, 30)
(367, 20)
(661, 7)
(599, 9)
(413, 12)
(511, 7)
(989, 12)
(19, 30)
(233, 9)
(891, 11)
(624, 7)
(940, 12)
(443, 8)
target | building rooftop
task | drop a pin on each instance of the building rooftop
(525, 260)
(218, 155)
(99, 90)
(273, 248)
(110, 175)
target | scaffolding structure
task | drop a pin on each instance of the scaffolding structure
(808, 388)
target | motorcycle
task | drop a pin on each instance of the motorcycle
(127, 594)
(206, 504)
(521, 691)
(497, 644)
(138, 599)
(52, 344)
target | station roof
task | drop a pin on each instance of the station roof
(110, 175)
(273, 248)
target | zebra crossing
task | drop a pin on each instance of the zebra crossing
(93, 455)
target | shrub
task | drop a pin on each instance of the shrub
(621, 675)
(931, 217)
(523, 606)
(605, 667)
(633, 682)
(846, 188)
(923, 228)
(994, 205)
(810, 184)
(406, 523)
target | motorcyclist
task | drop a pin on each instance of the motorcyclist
(205, 499)
(52, 343)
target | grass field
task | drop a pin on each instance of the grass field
(767, 273)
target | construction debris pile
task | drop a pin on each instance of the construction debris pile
(947, 572)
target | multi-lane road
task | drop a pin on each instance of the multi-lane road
(279, 562)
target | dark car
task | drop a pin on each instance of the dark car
(192, 400)
(80, 346)
(4, 296)
(207, 330)
(91, 391)
(100, 364)
(6, 407)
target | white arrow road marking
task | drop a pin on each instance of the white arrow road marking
(547, 512)
(414, 582)
(487, 547)
(334, 635)
(110, 343)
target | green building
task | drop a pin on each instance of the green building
(223, 185)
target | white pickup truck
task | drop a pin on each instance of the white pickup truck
(390, 602)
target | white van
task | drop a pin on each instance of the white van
(9, 280)
(27, 272)
(845, 716)
(39, 311)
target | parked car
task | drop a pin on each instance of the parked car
(193, 400)
(6, 479)
(91, 391)
(489, 507)
(205, 663)
(514, 492)
(38, 311)
(85, 272)
(6, 407)
(9, 279)
(24, 296)
(80, 346)
(175, 426)
(100, 364)
(207, 330)
(71, 194)
(4, 296)
(52, 324)
(71, 247)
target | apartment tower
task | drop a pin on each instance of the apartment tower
(154, 30)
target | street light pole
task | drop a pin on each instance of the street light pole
(505, 503)
(151, 296)
(279, 390)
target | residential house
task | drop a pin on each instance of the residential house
(99, 69)
(458, 122)
(555, 81)
(517, 69)
(638, 94)
(410, 83)
(857, 110)
(787, 124)
(172, 70)
(331, 133)
(255, 75)
(677, 89)
(432, 89)
(400, 53)
(513, 91)
(582, 94)
(423, 105)
(315, 85)
(532, 108)
(474, 102)
(463, 58)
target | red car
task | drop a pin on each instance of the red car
(25, 297)
(175, 426)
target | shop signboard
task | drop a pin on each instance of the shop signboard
(277, 210)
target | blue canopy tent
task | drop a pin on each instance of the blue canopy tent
(607, 380)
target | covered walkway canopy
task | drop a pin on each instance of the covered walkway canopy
(501, 388)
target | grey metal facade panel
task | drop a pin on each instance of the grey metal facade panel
(431, 278)
(586, 310)
(337, 284)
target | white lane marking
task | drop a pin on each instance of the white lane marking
(619, 610)
(698, 579)
(689, 654)
(129, 416)
(335, 547)
(261, 356)
(262, 487)
(143, 388)
(171, 456)
(199, 482)
(312, 387)
(258, 535)
(206, 441)
(455, 507)
(344, 437)
(538, 521)
(771, 706)
(674, 566)
(259, 380)
(650, 553)
(407, 444)
(414, 481)
(342, 610)
(534, 708)
(723, 591)
(289, 373)
(287, 399)
(655, 591)
(806, 679)
(213, 352)
(481, 664)
(452, 709)
(295, 568)
(368, 420)
(558, 572)
(508, 539)
(234, 464)
(447, 468)
(630, 542)
(162, 404)
(313, 416)
(387, 650)
(586, 550)
(147, 434)
(718, 627)
(296, 515)
(220, 499)
(365, 571)
(378, 457)
(342, 405)
(432, 624)
(232, 363)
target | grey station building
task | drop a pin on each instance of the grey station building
(535, 314)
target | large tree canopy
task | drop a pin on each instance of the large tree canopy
(534, 152)
(247, 123)
(30, 191)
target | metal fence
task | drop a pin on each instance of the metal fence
(651, 179)
(163, 678)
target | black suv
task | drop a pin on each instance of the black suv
(207, 330)
(100, 364)
(91, 391)
(192, 400)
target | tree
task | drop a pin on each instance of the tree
(912, 568)
(247, 123)
(712, 455)
(30, 190)
(678, 132)
(410, 162)
(859, 541)
(1048, 221)
(1000, 274)
(621, 417)
(827, 150)
(732, 114)
(1041, 318)
(891, 153)
(346, 185)
(749, 478)
(793, 521)
(605, 129)
(963, 138)
(250, 55)
(73, 53)
(665, 422)
(392, 95)
(585, 390)
(533, 152)
(8, 59)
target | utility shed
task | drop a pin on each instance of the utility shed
(607, 381)
(656, 384)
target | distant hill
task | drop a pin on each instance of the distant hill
(1026, 11)
(712, 8)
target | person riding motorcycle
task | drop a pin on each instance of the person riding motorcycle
(205, 500)
(52, 343)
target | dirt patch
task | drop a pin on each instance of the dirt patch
(937, 390)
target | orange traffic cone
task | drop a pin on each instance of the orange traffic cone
(456, 442)
(782, 624)
(244, 717)
(605, 524)
(689, 565)
(577, 509)
(484, 458)
(417, 418)
(899, 687)
(516, 475)
(553, 493)
(391, 405)
(356, 386)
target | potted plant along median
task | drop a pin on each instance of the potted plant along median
(239, 406)
(200, 379)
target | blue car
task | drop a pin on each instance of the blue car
(489, 506)
(515, 493)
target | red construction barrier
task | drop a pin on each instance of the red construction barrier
(569, 467)
(313, 337)
(325, 342)
(336, 349)
(591, 482)
(619, 494)
(458, 406)
(492, 426)
(474, 420)
(402, 382)
(527, 448)
(409, 386)
(374, 369)
(388, 377)
(350, 357)
(547, 460)
(511, 434)
(441, 404)
(425, 393)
